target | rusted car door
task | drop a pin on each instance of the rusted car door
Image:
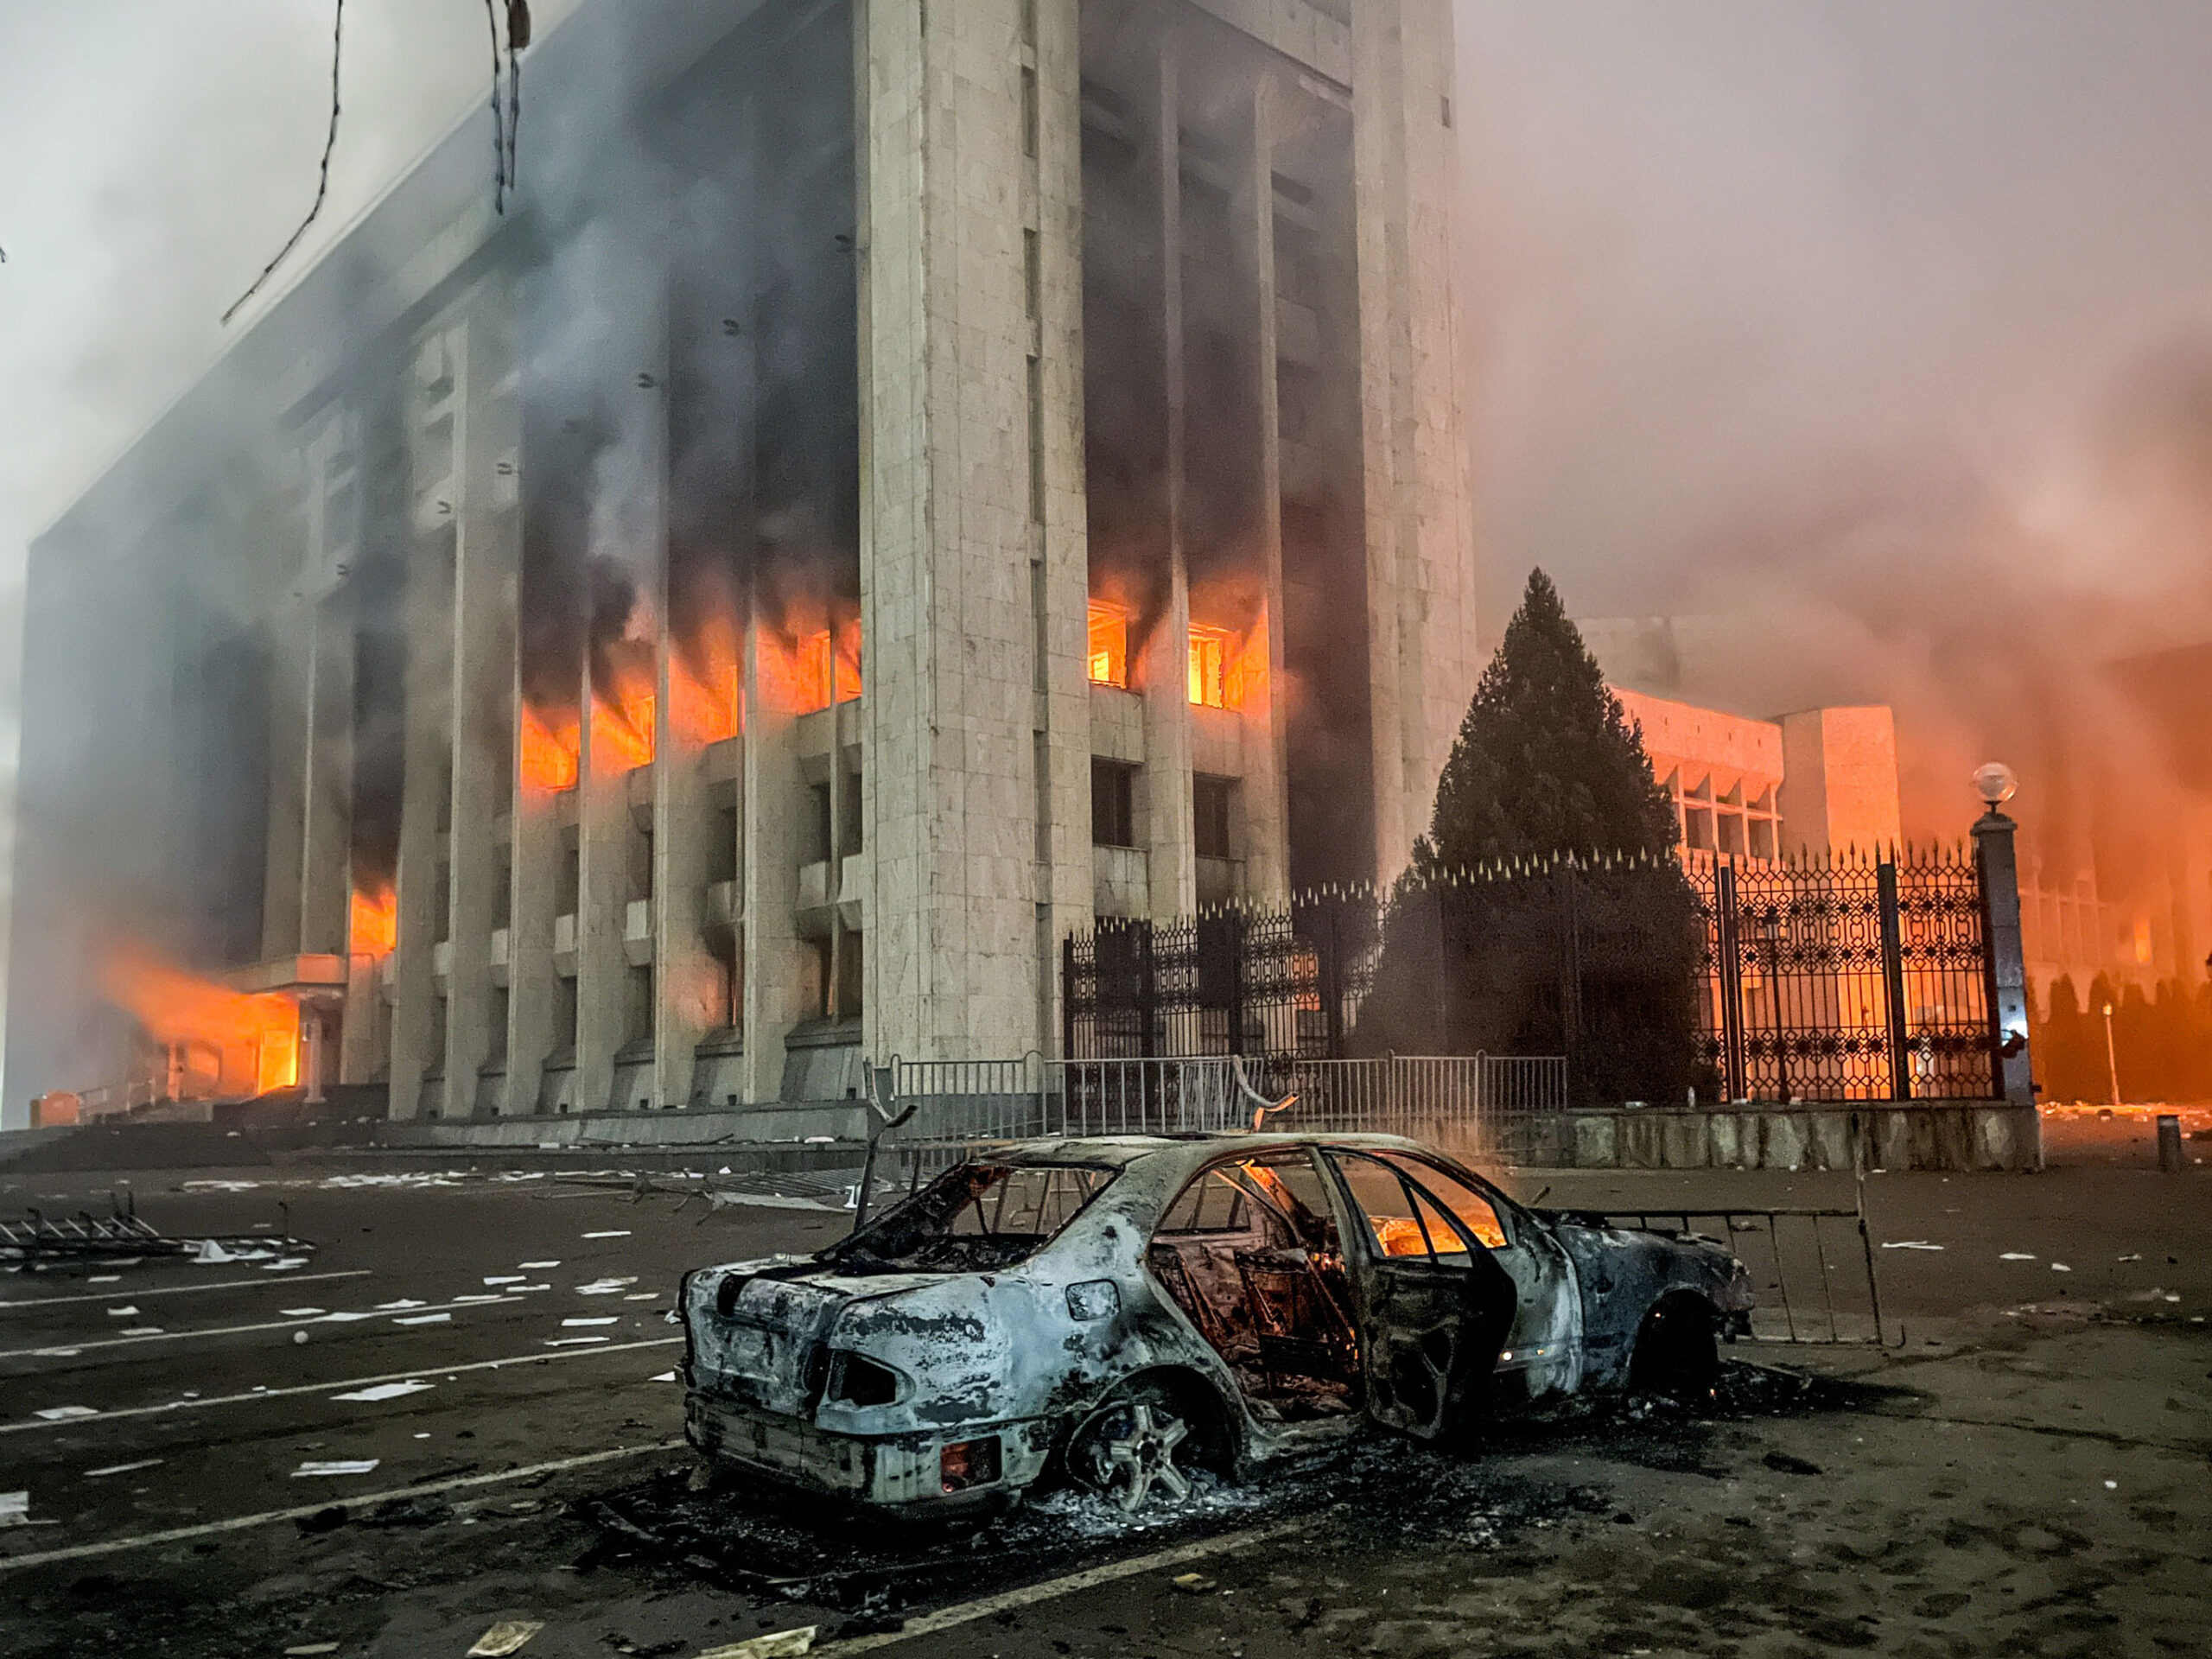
(1434, 1306)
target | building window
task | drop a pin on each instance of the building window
(564, 1014)
(638, 1011)
(722, 852)
(1209, 667)
(572, 871)
(1110, 644)
(495, 1046)
(640, 850)
(1113, 804)
(851, 973)
(1212, 801)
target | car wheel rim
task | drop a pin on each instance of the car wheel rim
(1144, 1458)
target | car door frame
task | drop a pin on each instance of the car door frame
(1406, 1304)
(1546, 1344)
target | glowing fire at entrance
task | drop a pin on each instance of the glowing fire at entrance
(219, 1041)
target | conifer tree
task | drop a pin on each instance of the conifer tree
(1547, 762)
(1545, 912)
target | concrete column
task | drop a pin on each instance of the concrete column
(683, 821)
(1423, 655)
(432, 404)
(772, 808)
(946, 597)
(1164, 675)
(326, 872)
(1267, 806)
(1061, 543)
(290, 692)
(486, 437)
(605, 804)
(533, 989)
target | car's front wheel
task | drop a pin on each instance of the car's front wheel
(1676, 1355)
(1142, 1443)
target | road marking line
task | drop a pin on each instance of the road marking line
(298, 1512)
(341, 1318)
(187, 1290)
(1052, 1589)
(342, 1383)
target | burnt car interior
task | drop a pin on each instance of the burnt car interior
(974, 1218)
(1249, 1251)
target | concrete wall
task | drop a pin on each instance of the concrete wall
(1934, 1134)
(1839, 780)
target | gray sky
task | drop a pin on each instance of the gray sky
(1848, 309)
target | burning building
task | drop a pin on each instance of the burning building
(897, 483)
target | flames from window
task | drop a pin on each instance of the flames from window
(220, 1040)
(373, 928)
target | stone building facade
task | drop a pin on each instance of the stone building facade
(898, 481)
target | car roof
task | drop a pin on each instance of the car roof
(1121, 1150)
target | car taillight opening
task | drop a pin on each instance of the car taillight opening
(966, 1464)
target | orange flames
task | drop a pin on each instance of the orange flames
(622, 712)
(1228, 671)
(255, 1039)
(547, 752)
(703, 684)
(374, 926)
(797, 672)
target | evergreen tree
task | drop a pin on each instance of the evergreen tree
(1547, 762)
(1587, 945)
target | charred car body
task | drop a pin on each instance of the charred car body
(1123, 1310)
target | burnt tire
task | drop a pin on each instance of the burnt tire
(1677, 1354)
(1142, 1443)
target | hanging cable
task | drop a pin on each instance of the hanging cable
(322, 184)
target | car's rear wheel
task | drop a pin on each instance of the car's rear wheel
(1140, 1445)
(1678, 1355)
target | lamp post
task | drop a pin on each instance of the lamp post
(2111, 1057)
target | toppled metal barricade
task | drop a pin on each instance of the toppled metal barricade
(121, 1239)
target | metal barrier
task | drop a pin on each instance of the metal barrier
(1480, 1105)
(1805, 1295)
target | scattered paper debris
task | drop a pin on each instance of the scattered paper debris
(1192, 1584)
(502, 1277)
(62, 1414)
(665, 1377)
(121, 1313)
(302, 1312)
(606, 1286)
(336, 1466)
(571, 1341)
(537, 1267)
(619, 1232)
(2060, 1267)
(2016, 1255)
(386, 1391)
(286, 1264)
(142, 1331)
(401, 1305)
(784, 1644)
(2133, 1256)
(345, 1318)
(1911, 1244)
(569, 1324)
(425, 1319)
(474, 1301)
(2112, 1485)
(124, 1468)
(643, 1296)
(307, 1647)
(117, 1279)
(507, 1636)
(15, 1509)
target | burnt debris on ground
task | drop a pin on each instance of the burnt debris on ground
(768, 1545)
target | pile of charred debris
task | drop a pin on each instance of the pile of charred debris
(878, 1572)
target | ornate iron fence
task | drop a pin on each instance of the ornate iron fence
(1816, 979)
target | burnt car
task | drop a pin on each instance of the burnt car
(1122, 1311)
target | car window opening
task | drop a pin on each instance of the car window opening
(1249, 1253)
(974, 1217)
